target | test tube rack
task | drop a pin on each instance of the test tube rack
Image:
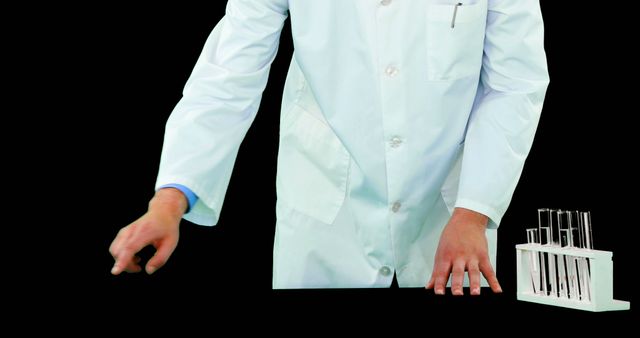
(599, 284)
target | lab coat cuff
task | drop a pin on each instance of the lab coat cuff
(494, 215)
(205, 211)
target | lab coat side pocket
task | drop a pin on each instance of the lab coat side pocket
(455, 39)
(313, 166)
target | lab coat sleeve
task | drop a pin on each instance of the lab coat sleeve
(220, 100)
(505, 116)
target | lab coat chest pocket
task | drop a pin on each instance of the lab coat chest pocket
(313, 165)
(455, 39)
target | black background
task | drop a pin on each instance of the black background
(125, 68)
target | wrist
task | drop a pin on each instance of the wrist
(169, 201)
(467, 216)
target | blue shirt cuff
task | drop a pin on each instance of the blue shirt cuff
(192, 198)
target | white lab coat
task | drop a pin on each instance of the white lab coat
(390, 119)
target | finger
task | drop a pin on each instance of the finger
(133, 267)
(457, 277)
(123, 237)
(443, 270)
(490, 275)
(474, 277)
(164, 249)
(117, 242)
(121, 263)
(430, 283)
(125, 256)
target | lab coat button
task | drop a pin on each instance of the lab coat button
(395, 142)
(385, 2)
(391, 71)
(385, 271)
(396, 206)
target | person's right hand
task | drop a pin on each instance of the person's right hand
(157, 227)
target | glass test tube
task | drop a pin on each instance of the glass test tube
(552, 259)
(564, 262)
(586, 225)
(584, 268)
(544, 229)
(534, 263)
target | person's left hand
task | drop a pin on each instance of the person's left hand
(463, 247)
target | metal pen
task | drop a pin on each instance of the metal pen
(455, 12)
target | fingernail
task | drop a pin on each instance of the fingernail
(440, 291)
(151, 269)
(476, 291)
(114, 270)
